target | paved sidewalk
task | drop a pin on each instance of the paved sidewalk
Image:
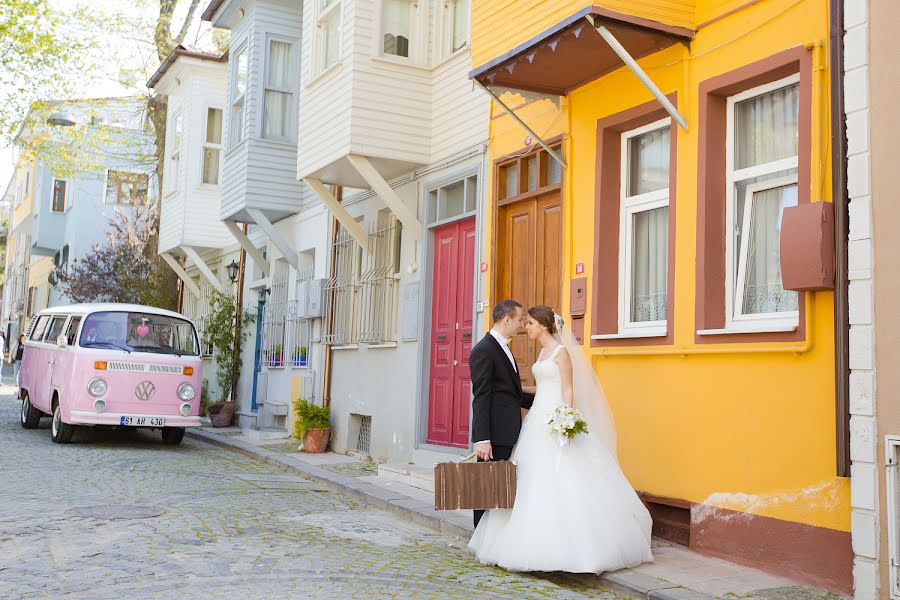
(676, 573)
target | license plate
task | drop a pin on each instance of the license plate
(143, 421)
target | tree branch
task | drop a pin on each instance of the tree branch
(187, 22)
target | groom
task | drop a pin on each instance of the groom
(497, 388)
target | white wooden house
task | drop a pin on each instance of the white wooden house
(287, 241)
(387, 114)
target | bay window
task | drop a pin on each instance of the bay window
(762, 180)
(238, 97)
(644, 229)
(279, 95)
(212, 146)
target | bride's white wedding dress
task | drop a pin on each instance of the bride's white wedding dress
(574, 509)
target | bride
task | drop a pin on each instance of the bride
(574, 509)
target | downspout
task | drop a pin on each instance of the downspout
(841, 233)
(242, 261)
(326, 391)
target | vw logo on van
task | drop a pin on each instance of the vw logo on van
(144, 390)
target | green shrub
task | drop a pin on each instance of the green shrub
(309, 416)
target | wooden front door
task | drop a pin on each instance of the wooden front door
(529, 263)
(449, 389)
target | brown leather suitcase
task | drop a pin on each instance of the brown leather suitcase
(474, 485)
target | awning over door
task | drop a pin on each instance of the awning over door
(573, 53)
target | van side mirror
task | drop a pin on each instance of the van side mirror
(61, 341)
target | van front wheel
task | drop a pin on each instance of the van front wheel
(172, 436)
(60, 433)
(31, 417)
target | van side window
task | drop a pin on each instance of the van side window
(72, 330)
(56, 328)
(37, 332)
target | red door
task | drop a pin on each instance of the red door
(449, 390)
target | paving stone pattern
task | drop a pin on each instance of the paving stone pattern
(120, 515)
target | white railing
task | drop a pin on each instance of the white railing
(272, 352)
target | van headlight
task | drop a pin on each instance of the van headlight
(96, 387)
(186, 391)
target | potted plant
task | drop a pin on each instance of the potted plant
(225, 340)
(277, 357)
(312, 425)
(303, 355)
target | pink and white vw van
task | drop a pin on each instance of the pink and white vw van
(122, 365)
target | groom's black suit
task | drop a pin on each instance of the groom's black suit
(497, 400)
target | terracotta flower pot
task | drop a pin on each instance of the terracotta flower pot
(315, 441)
(221, 413)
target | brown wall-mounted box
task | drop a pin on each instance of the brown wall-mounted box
(578, 329)
(578, 297)
(807, 247)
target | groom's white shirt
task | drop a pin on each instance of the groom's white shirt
(504, 343)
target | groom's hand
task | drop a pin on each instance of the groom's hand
(484, 451)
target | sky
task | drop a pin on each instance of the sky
(127, 51)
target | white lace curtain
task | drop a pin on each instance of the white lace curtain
(650, 258)
(766, 130)
(763, 291)
(278, 96)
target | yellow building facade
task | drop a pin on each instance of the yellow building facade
(675, 246)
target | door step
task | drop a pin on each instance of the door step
(412, 475)
(259, 434)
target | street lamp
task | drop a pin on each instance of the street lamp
(232, 270)
(260, 304)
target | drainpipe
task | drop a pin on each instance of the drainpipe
(326, 391)
(240, 307)
(841, 231)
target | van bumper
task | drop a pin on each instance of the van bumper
(88, 417)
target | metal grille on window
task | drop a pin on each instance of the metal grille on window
(341, 289)
(365, 435)
(377, 297)
(274, 318)
(299, 325)
(197, 310)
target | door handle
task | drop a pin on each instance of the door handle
(442, 338)
(467, 335)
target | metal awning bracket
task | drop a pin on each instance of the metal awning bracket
(629, 61)
(522, 124)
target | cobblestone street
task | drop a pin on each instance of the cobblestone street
(120, 515)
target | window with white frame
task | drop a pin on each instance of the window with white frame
(298, 324)
(238, 97)
(173, 151)
(452, 201)
(377, 292)
(644, 229)
(329, 34)
(762, 158)
(279, 96)
(212, 146)
(458, 12)
(342, 287)
(274, 318)
(19, 193)
(27, 182)
(58, 204)
(397, 18)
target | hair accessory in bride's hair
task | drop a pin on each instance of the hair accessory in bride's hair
(559, 321)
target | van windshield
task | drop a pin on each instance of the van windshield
(139, 332)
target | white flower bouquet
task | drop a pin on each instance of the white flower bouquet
(566, 422)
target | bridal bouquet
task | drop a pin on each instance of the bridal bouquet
(566, 422)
